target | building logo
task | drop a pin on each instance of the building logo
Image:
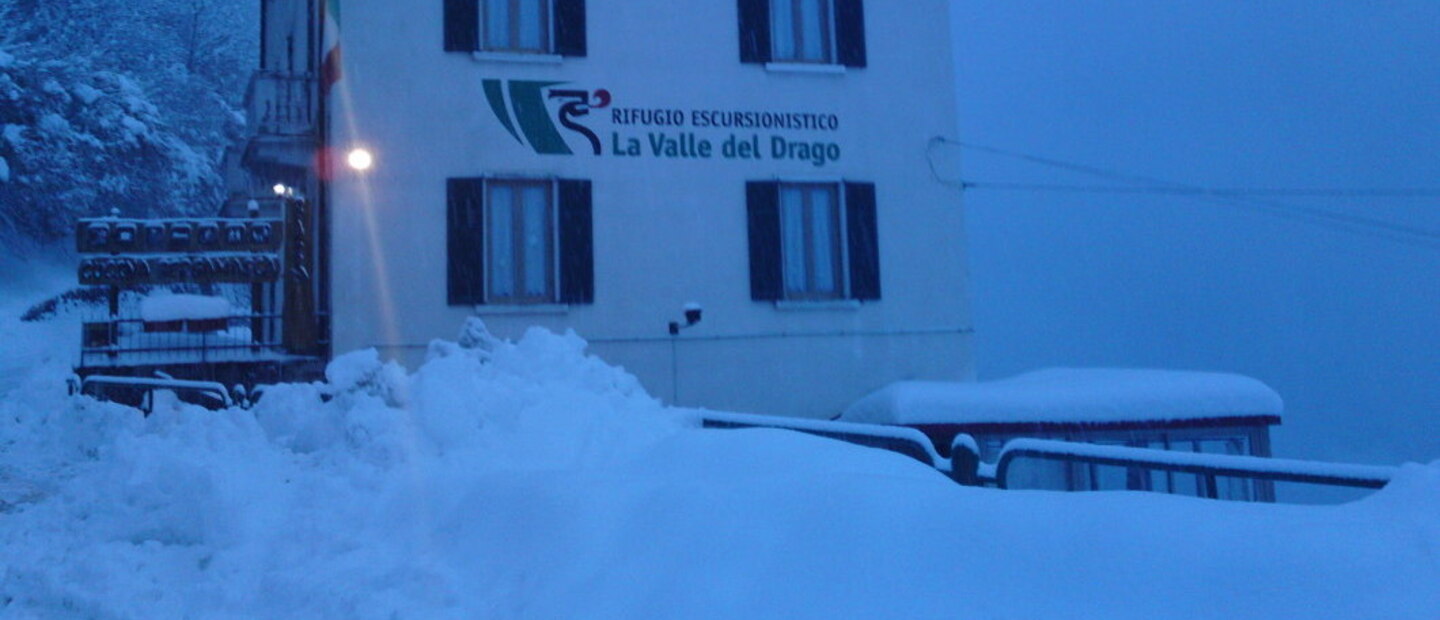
(522, 108)
(538, 114)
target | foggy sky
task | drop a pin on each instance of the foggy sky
(1214, 93)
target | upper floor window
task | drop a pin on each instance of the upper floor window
(516, 26)
(803, 31)
(813, 241)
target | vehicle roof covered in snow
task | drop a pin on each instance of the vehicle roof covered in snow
(1071, 396)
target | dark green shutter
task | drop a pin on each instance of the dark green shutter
(762, 206)
(754, 31)
(465, 241)
(462, 25)
(577, 243)
(850, 32)
(863, 241)
(570, 28)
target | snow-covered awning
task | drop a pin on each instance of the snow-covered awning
(1071, 396)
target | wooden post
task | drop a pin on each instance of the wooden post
(113, 297)
(298, 323)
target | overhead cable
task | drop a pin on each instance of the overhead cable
(1402, 233)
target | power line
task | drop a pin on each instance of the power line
(1224, 192)
(1401, 233)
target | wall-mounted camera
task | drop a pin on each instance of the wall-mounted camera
(692, 313)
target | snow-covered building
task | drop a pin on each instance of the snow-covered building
(604, 166)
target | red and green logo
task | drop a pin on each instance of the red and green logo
(523, 107)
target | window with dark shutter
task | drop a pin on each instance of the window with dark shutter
(465, 234)
(762, 205)
(577, 253)
(754, 31)
(516, 26)
(810, 242)
(795, 237)
(570, 39)
(850, 32)
(519, 26)
(462, 25)
(520, 246)
(803, 31)
(863, 240)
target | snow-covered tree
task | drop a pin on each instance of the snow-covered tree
(125, 105)
(79, 141)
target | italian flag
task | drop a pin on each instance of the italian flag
(330, 66)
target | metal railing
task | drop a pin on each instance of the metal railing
(906, 441)
(139, 392)
(965, 466)
(1209, 468)
(120, 342)
(281, 104)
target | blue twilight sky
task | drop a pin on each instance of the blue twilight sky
(1342, 319)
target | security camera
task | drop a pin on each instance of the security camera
(692, 313)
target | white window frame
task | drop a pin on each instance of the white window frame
(547, 18)
(518, 264)
(797, 33)
(840, 252)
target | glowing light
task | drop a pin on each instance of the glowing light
(280, 189)
(360, 159)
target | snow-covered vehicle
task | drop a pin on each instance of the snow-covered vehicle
(1086, 429)
(141, 392)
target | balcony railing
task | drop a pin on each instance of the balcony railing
(281, 104)
(133, 342)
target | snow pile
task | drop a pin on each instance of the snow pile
(174, 307)
(323, 502)
(528, 479)
(35, 349)
(1096, 395)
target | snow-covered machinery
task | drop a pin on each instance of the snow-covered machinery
(214, 299)
(1201, 434)
(1077, 463)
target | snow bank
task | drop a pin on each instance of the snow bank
(174, 307)
(528, 479)
(1070, 395)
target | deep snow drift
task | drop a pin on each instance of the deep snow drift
(529, 480)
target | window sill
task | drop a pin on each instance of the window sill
(518, 58)
(802, 306)
(522, 310)
(813, 68)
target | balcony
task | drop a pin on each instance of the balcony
(283, 111)
(281, 104)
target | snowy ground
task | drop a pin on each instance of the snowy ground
(529, 480)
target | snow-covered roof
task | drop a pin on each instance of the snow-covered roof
(157, 308)
(1071, 395)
